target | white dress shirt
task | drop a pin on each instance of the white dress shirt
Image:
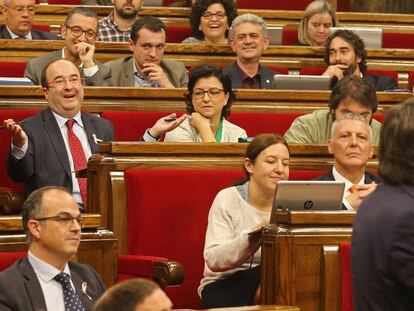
(348, 185)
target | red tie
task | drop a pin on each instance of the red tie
(79, 159)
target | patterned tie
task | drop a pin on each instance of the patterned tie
(79, 159)
(71, 299)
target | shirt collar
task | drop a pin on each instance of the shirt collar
(348, 184)
(44, 270)
(63, 56)
(28, 36)
(62, 120)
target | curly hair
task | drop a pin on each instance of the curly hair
(198, 9)
(355, 41)
(205, 71)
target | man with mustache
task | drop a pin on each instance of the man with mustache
(350, 94)
(116, 26)
(345, 54)
(248, 39)
(79, 33)
(18, 15)
(146, 67)
(46, 279)
(351, 146)
(50, 147)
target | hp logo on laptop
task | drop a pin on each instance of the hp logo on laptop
(308, 204)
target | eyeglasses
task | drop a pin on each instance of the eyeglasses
(65, 219)
(20, 9)
(212, 93)
(78, 31)
(209, 15)
(59, 82)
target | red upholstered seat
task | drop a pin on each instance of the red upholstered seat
(12, 69)
(290, 36)
(7, 259)
(345, 254)
(5, 140)
(410, 80)
(131, 125)
(42, 27)
(312, 71)
(258, 123)
(59, 2)
(273, 5)
(398, 40)
(167, 217)
(280, 70)
(177, 33)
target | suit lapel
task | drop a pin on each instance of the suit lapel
(4, 33)
(32, 286)
(234, 76)
(266, 77)
(128, 73)
(81, 288)
(53, 130)
(90, 130)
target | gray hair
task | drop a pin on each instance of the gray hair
(350, 116)
(248, 18)
(315, 7)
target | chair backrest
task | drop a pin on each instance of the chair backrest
(290, 36)
(273, 5)
(167, 217)
(258, 123)
(398, 40)
(7, 259)
(5, 140)
(177, 33)
(12, 69)
(59, 2)
(345, 254)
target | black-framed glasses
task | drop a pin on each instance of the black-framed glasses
(213, 92)
(218, 15)
(65, 219)
(78, 31)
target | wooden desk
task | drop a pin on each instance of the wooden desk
(295, 258)
(105, 171)
(100, 99)
(256, 308)
(291, 57)
(98, 247)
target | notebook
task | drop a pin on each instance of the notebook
(301, 82)
(372, 37)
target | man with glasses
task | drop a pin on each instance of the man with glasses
(79, 32)
(18, 15)
(147, 67)
(46, 279)
(50, 147)
(248, 38)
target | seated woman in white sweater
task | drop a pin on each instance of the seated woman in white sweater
(232, 256)
(208, 102)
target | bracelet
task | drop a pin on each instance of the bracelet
(149, 133)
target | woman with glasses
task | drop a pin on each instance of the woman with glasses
(208, 102)
(210, 21)
(315, 26)
(231, 250)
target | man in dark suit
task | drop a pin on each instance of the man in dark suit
(248, 38)
(18, 15)
(345, 54)
(351, 146)
(382, 252)
(79, 33)
(52, 222)
(41, 154)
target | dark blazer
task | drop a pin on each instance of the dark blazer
(20, 289)
(36, 34)
(266, 76)
(369, 178)
(35, 66)
(382, 251)
(46, 162)
(382, 83)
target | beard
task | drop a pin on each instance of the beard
(350, 70)
(126, 14)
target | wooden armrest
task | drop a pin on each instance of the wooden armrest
(11, 202)
(168, 273)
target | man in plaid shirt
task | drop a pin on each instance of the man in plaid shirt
(116, 26)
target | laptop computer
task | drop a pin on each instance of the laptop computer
(372, 37)
(310, 195)
(301, 82)
(275, 34)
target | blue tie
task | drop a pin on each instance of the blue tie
(71, 299)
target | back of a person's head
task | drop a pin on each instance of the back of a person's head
(396, 151)
(354, 88)
(125, 296)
